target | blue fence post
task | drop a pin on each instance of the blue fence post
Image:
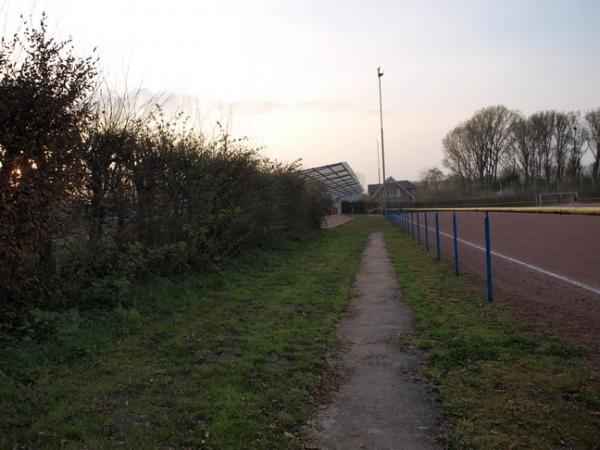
(412, 226)
(418, 228)
(426, 234)
(488, 258)
(455, 233)
(437, 237)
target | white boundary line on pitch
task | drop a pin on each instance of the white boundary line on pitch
(558, 276)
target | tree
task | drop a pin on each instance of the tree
(490, 130)
(474, 150)
(547, 145)
(542, 129)
(577, 148)
(122, 193)
(458, 154)
(432, 179)
(522, 148)
(592, 119)
(561, 138)
(44, 104)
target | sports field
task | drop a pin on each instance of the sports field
(545, 265)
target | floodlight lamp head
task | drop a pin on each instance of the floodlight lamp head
(379, 72)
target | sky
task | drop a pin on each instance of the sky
(299, 78)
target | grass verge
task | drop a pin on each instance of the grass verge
(210, 361)
(503, 385)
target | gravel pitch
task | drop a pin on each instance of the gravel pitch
(567, 245)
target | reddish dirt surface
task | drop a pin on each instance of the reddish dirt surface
(568, 245)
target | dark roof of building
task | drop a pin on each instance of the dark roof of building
(372, 188)
(405, 184)
(338, 178)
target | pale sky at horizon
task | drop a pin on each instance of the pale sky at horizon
(299, 77)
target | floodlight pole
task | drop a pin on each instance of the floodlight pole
(378, 165)
(378, 175)
(379, 75)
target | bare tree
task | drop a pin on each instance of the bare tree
(458, 153)
(542, 129)
(592, 119)
(489, 131)
(561, 143)
(547, 145)
(578, 144)
(432, 179)
(522, 148)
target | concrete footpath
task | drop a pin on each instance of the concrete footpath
(383, 402)
(334, 221)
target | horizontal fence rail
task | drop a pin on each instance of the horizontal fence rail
(581, 210)
(529, 200)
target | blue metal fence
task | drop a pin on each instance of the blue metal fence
(406, 221)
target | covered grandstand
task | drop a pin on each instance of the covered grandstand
(339, 179)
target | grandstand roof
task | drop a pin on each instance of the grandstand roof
(338, 178)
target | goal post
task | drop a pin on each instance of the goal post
(557, 198)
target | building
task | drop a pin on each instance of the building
(339, 180)
(396, 191)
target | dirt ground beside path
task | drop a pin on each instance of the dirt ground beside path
(383, 401)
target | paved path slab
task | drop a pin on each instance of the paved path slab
(335, 220)
(384, 402)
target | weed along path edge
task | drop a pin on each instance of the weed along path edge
(384, 402)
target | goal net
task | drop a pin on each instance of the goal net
(557, 198)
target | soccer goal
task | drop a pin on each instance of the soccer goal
(557, 198)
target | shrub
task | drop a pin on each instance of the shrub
(99, 196)
(42, 325)
(106, 292)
